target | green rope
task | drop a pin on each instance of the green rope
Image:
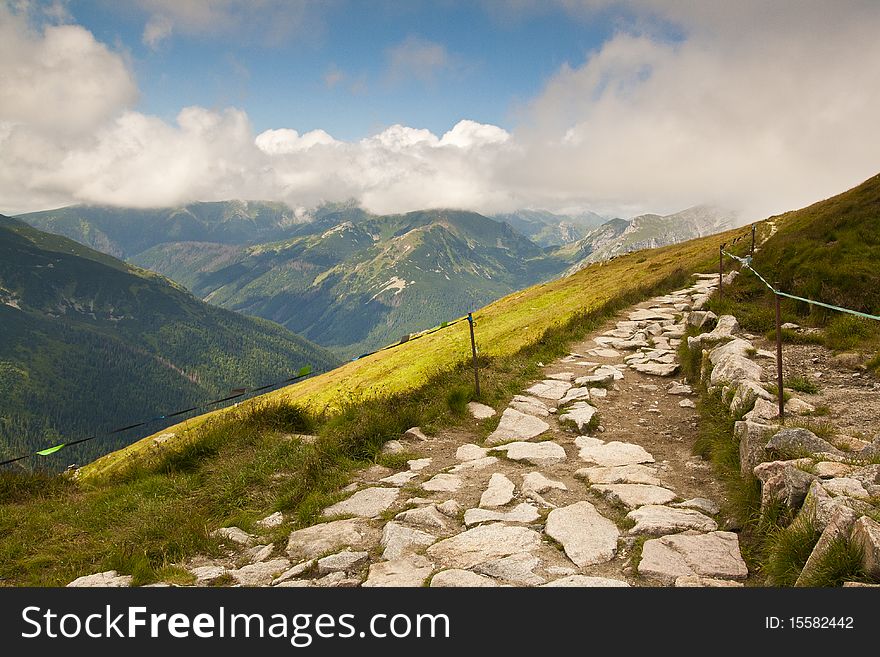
(747, 263)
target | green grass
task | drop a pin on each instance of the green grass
(802, 384)
(787, 549)
(840, 562)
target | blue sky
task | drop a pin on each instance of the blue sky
(613, 106)
(496, 61)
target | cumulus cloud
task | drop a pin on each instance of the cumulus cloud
(760, 115)
(157, 29)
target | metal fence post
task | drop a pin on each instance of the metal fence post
(474, 353)
(779, 355)
(752, 251)
(721, 271)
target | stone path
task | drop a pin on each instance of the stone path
(586, 469)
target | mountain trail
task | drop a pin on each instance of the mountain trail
(588, 466)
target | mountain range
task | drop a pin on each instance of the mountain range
(351, 280)
(88, 342)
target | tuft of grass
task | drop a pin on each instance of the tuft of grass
(787, 550)
(844, 332)
(840, 562)
(457, 400)
(803, 384)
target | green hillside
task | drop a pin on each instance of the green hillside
(88, 343)
(353, 281)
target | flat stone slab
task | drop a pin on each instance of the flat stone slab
(480, 411)
(346, 561)
(535, 482)
(259, 574)
(594, 450)
(515, 425)
(656, 369)
(587, 536)
(656, 520)
(713, 555)
(235, 535)
(700, 504)
(445, 483)
(410, 570)
(484, 543)
(649, 316)
(328, 537)
(476, 464)
(604, 353)
(521, 513)
(635, 495)
(428, 517)
(109, 578)
(456, 577)
(471, 452)
(417, 465)
(529, 405)
(366, 503)
(518, 569)
(580, 413)
(561, 376)
(695, 581)
(400, 478)
(620, 474)
(398, 539)
(585, 581)
(542, 454)
(575, 394)
(498, 493)
(549, 389)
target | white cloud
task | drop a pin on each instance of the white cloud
(157, 29)
(762, 116)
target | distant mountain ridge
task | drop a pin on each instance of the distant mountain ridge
(352, 280)
(88, 342)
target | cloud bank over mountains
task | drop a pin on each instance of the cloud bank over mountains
(754, 107)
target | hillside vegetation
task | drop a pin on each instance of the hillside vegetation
(88, 343)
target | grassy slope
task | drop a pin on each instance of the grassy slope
(503, 328)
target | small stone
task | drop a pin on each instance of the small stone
(294, 571)
(515, 425)
(580, 413)
(799, 406)
(400, 478)
(449, 508)
(831, 469)
(207, 574)
(542, 454)
(529, 405)
(398, 539)
(414, 433)
(576, 393)
(393, 447)
(367, 503)
(346, 562)
(259, 574)
(561, 376)
(537, 483)
(470, 452)
(635, 495)
(498, 493)
(271, 521)
(456, 577)
(109, 578)
(586, 535)
(656, 369)
(585, 581)
(846, 486)
(417, 465)
(410, 570)
(476, 464)
(687, 403)
(442, 482)
(235, 535)
(480, 411)
(260, 552)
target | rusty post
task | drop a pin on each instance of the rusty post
(752, 251)
(779, 356)
(721, 271)
(474, 353)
